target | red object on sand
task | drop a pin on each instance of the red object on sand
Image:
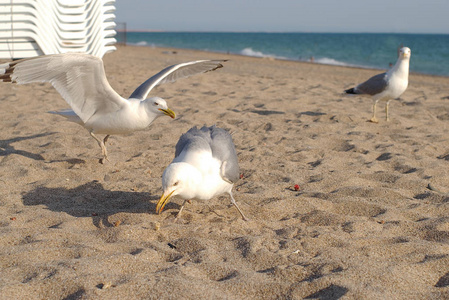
(296, 187)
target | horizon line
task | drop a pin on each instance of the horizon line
(274, 31)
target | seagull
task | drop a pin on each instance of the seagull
(205, 166)
(386, 86)
(81, 80)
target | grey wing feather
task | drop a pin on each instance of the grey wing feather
(217, 140)
(175, 72)
(184, 140)
(194, 139)
(223, 148)
(374, 85)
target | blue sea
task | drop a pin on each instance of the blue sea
(430, 52)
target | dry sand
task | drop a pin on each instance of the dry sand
(364, 224)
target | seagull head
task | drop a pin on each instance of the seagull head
(405, 52)
(181, 179)
(158, 107)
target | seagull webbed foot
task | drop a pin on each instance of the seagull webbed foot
(103, 160)
(374, 120)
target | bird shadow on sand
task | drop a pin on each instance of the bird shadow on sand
(91, 200)
(7, 149)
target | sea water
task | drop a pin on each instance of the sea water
(430, 52)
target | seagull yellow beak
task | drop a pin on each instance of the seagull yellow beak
(168, 112)
(161, 203)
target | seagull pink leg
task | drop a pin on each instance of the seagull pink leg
(236, 206)
(180, 210)
(102, 146)
(386, 110)
(374, 119)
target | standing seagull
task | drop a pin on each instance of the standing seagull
(205, 166)
(386, 86)
(81, 80)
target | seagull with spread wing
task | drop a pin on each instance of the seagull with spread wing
(81, 80)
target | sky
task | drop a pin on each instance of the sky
(386, 16)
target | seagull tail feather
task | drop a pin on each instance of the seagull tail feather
(350, 91)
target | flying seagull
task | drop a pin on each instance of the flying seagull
(81, 80)
(205, 166)
(386, 86)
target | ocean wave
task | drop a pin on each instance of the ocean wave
(334, 62)
(331, 61)
(322, 60)
(141, 43)
(250, 52)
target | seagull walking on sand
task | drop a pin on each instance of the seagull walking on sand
(386, 86)
(205, 166)
(81, 80)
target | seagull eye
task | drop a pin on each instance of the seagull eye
(155, 103)
(176, 183)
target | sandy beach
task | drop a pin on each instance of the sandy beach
(363, 225)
